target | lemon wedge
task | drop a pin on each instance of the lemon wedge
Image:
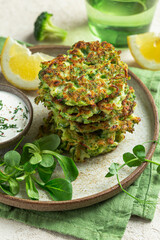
(145, 49)
(19, 66)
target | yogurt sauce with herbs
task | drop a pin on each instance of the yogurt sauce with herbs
(14, 115)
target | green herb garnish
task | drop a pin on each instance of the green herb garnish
(134, 159)
(26, 109)
(35, 166)
(7, 126)
(25, 115)
(20, 130)
(18, 108)
(13, 117)
(2, 120)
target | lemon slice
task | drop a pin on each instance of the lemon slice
(145, 49)
(19, 66)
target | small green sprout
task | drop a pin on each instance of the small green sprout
(134, 159)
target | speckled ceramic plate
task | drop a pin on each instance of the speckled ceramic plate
(91, 186)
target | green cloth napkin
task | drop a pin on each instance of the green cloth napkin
(106, 220)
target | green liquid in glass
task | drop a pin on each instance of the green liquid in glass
(114, 20)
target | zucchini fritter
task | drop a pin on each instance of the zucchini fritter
(90, 101)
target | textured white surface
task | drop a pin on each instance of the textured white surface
(16, 20)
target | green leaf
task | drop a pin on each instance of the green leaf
(50, 142)
(113, 169)
(47, 160)
(46, 173)
(21, 178)
(139, 151)
(29, 167)
(32, 147)
(28, 150)
(10, 170)
(109, 175)
(59, 189)
(6, 189)
(26, 155)
(158, 169)
(31, 190)
(12, 158)
(35, 159)
(127, 157)
(14, 186)
(68, 166)
(3, 177)
(18, 173)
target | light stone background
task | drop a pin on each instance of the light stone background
(16, 20)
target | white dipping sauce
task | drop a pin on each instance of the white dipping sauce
(14, 115)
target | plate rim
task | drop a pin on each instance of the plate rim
(94, 198)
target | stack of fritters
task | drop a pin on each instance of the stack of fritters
(91, 104)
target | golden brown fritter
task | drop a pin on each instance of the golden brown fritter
(90, 101)
(89, 73)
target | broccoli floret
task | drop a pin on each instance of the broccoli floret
(44, 29)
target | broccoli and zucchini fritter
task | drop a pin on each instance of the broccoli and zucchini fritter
(91, 105)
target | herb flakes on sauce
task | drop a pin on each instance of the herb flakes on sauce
(13, 115)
